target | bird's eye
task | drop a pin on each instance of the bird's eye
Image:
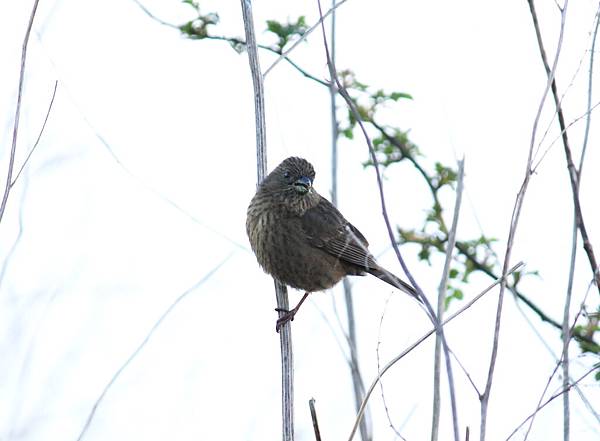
(286, 175)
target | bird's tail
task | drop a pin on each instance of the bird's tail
(395, 281)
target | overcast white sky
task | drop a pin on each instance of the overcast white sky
(96, 244)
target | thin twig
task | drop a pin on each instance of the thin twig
(549, 400)
(273, 51)
(418, 342)
(586, 115)
(154, 17)
(466, 374)
(485, 397)
(303, 37)
(588, 119)
(37, 141)
(13, 149)
(285, 334)
(313, 416)
(137, 350)
(385, 406)
(435, 420)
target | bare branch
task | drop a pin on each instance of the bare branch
(466, 375)
(441, 301)
(585, 115)
(13, 149)
(385, 406)
(285, 335)
(154, 17)
(37, 141)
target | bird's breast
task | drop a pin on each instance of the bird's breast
(283, 250)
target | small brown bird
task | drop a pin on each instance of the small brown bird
(302, 240)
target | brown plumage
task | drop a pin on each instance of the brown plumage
(302, 240)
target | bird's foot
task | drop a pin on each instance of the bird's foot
(287, 317)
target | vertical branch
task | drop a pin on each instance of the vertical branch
(440, 304)
(334, 122)
(566, 330)
(357, 382)
(485, 396)
(13, 149)
(285, 335)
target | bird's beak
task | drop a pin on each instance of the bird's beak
(302, 185)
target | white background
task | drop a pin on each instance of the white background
(139, 187)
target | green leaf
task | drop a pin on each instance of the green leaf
(348, 133)
(397, 95)
(275, 27)
(285, 31)
(425, 253)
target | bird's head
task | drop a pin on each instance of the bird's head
(291, 181)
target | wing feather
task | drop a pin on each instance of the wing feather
(326, 228)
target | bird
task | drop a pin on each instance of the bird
(302, 240)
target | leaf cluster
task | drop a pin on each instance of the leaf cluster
(286, 32)
(197, 28)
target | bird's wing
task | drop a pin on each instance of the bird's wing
(326, 228)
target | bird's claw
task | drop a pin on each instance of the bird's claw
(287, 317)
